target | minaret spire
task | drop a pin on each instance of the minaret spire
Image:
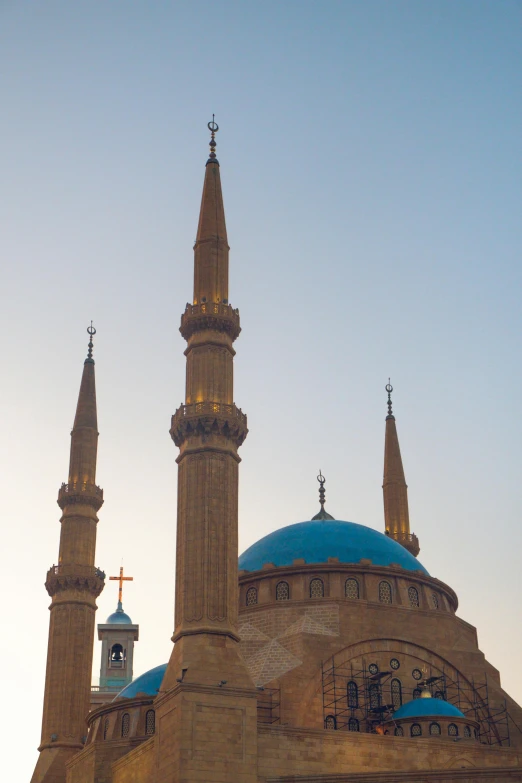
(322, 514)
(395, 489)
(73, 585)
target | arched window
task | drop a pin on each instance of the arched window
(125, 724)
(282, 591)
(435, 600)
(351, 588)
(385, 593)
(396, 693)
(440, 695)
(453, 730)
(413, 595)
(352, 693)
(434, 729)
(467, 731)
(106, 728)
(251, 596)
(416, 730)
(353, 724)
(330, 722)
(374, 693)
(116, 657)
(150, 722)
(399, 731)
(416, 693)
(316, 588)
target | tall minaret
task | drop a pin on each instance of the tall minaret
(73, 585)
(207, 687)
(395, 489)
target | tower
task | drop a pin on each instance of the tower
(395, 489)
(117, 636)
(207, 684)
(73, 585)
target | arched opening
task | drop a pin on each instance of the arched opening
(374, 694)
(434, 729)
(150, 722)
(413, 595)
(396, 693)
(416, 693)
(105, 728)
(435, 600)
(385, 592)
(317, 588)
(117, 657)
(282, 591)
(353, 724)
(399, 731)
(467, 731)
(352, 693)
(351, 588)
(125, 725)
(251, 596)
(416, 730)
(330, 722)
(453, 730)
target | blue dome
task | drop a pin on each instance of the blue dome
(317, 540)
(148, 682)
(119, 617)
(420, 708)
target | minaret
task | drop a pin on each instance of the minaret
(207, 690)
(73, 586)
(395, 489)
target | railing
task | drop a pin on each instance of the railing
(75, 569)
(208, 408)
(104, 688)
(81, 487)
(212, 308)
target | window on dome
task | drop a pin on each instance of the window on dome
(125, 724)
(150, 722)
(352, 693)
(399, 731)
(416, 730)
(282, 591)
(467, 731)
(453, 730)
(396, 693)
(435, 600)
(316, 588)
(434, 729)
(416, 693)
(330, 722)
(385, 593)
(106, 728)
(374, 694)
(117, 657)
(251, 596)
(353, 724)
(413, 595)
(351, 588)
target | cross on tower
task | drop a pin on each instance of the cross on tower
(121, 579)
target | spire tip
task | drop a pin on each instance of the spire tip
(91, 331)
(213, 128)
(389, 389)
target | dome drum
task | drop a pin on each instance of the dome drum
(129, 719)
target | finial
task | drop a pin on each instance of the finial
(389, 389)
(213, 128)
(91, 331)
(322, 513)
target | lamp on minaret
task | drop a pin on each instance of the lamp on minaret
(73, 585)
(117, 636)
(395, 489)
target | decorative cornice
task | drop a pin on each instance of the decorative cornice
(74, 577)
(210, 315)
(209, 418)
(81, 494)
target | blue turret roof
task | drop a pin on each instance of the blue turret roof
(148, 683)
(317, 540)
(420, 708)
(119, 617)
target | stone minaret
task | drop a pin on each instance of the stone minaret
(73, 585)
(395, 489)
(207, 693)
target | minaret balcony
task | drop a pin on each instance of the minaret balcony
(409, 541)
(210, 315)
(82, 493)
(207, 418)
(74, 576)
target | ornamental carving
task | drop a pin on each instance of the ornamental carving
(210, 315)
(75, 577)
(80, 493)
(209, 418)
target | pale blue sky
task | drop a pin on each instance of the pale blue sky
(371, 159)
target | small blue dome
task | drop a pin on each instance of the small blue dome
(148, 682)
(317, 540)
(119, 617)
(420, 708)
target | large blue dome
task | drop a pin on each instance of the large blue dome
(148, 682)
(420, 708)
(317, 540)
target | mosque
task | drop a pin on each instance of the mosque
(329, 653)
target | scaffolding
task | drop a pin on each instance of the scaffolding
(361, 699)
(268, 705)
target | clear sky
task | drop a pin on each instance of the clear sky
(371, 159)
